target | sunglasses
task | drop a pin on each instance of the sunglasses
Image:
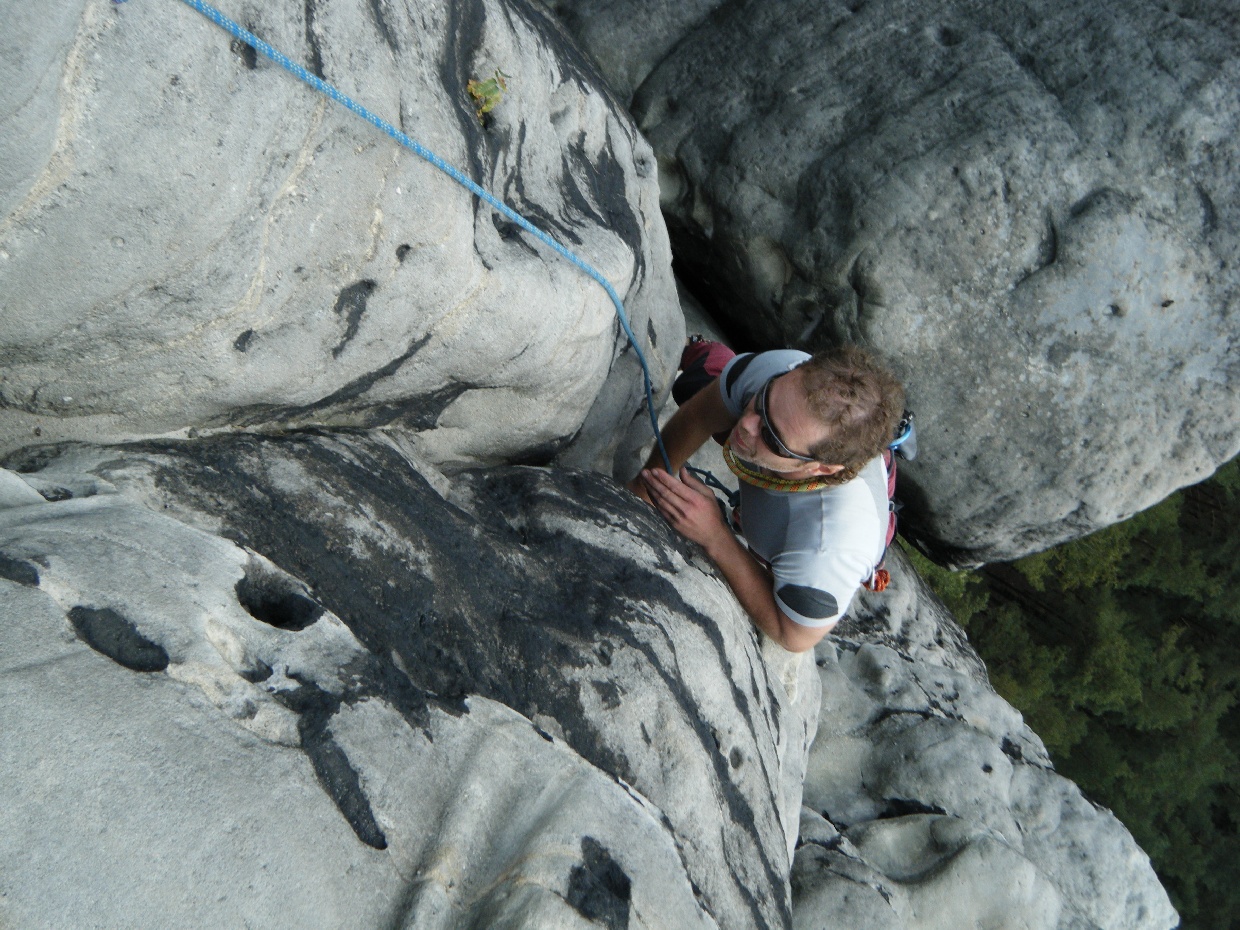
(769, 436)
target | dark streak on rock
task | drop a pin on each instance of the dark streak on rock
(609, 693)
(116, 637)
(266, 413)
(242, 342)
(351, 303)
(19, 571)
(335, 773)
(509, 639)
(419, 413)
(465, 26)
(315, 64)
(376, 10)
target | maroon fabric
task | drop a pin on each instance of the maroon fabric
(715, 354)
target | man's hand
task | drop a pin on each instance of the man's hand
(687, 504)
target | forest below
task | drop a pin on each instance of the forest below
(1121, 650)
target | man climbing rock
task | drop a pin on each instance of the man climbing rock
(805, 435)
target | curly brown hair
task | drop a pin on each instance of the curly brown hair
(858, 399)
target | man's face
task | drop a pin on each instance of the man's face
(789, 416)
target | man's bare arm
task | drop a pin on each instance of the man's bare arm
(699, 418)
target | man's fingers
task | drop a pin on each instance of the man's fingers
(694, 484)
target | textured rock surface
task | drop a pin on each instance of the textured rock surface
(189, 237)
(628, 38)
(929, 803)
(1029, 207)
(466, 674)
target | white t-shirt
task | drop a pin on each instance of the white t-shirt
(821, 545)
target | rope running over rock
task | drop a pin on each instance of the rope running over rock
(348, 103)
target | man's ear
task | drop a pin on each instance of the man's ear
(822, 468)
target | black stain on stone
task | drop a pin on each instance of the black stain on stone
(526, 632)
(609, 693)
(465, 28)
(332, 767)
(376, 10)
(116, 637)
(599, 889)
(242, 343)
(56, 495)
(275, 600)
(259, 671)
(421, 412)
(653, 336)
(19, 571)
(315, 64)
(351, 304)
(370, 415)
(1012, 750)
(402, 252)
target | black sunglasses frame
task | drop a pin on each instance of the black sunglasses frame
(769, 436)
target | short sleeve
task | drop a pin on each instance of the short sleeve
(745, 374)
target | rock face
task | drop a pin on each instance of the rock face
(510, 700)
(191, 238)
(929, 803)
(629, 38)
(1028, 207)
(520, 704)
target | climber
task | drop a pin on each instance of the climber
(805, 436)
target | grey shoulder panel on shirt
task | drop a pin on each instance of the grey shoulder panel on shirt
(813, 603)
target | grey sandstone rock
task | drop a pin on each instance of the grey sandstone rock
(1029, 208)
(930, 804)
(527, 703)
(628, 38)
(191, 238)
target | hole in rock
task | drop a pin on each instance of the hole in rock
(402, 251)
(246, 52)
(276, 599)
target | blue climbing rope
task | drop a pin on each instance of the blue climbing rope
(349, 104)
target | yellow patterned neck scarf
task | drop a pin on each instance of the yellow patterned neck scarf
(759, 480)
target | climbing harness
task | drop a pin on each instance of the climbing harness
(349, 104)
